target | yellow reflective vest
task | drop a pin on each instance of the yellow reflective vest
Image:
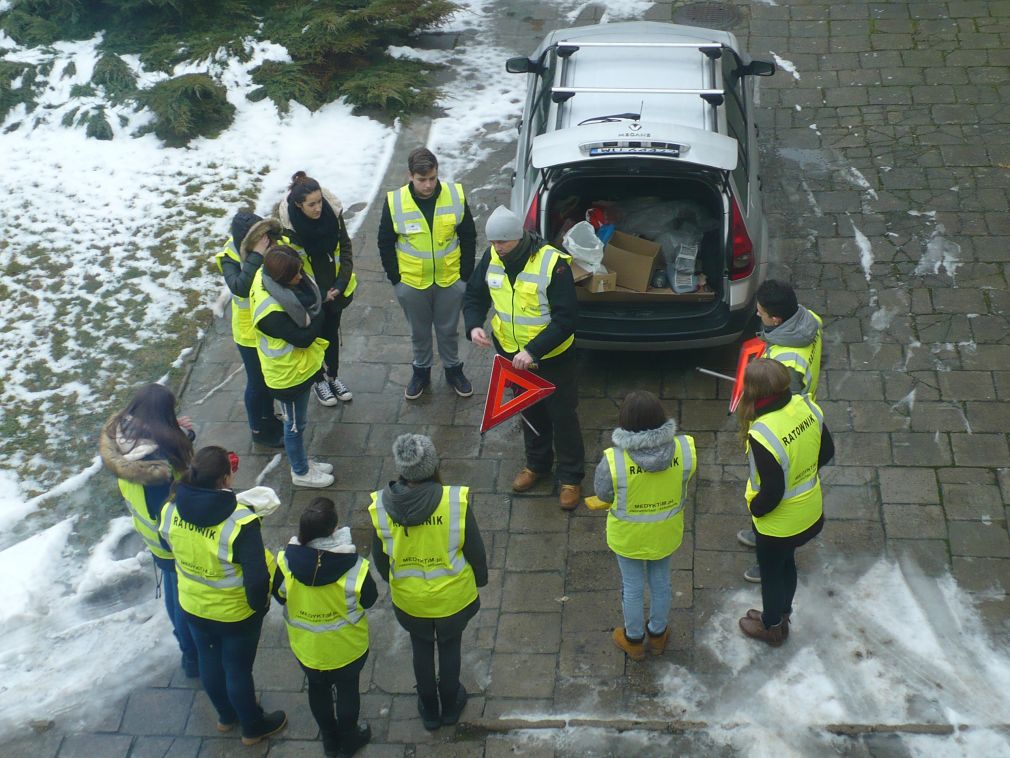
(352, 283)
(427, 255)
(241, 318)
(327, 626)
(147, 528)
(428, 575)
(283, 364)
(793, 436)
(210, 582)
(804, 360)
(521, 311)
(646, 520)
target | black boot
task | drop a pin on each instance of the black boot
(427, 706)
(455, 378)
(451, 710)
(269, 724)
(331, 742)
(418, 382)
(270, 432)
(352, 741)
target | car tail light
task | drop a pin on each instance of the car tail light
(530, 224)
(743, 249)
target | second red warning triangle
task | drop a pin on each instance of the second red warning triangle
(534, 389)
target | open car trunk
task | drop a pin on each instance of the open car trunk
(682, 213)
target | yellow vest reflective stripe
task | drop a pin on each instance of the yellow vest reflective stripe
(426, 255)
(241, 318)
(352, 283)
(327, 627)
(646, 520)
(210, 582)
(284, 365)
(136, 502)
(522, 311)
(428, 575)
(793, 436)
(805, 360)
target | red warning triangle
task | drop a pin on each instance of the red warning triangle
(749, 350)
(535, 389)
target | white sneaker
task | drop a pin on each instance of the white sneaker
(323, 393)
(311, 478)
(340, 389)
(326, 468)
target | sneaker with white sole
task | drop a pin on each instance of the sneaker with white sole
(324, 394)
(340, 389)
(747, 537)
(326, 468)
(753, 575)
(312, 478)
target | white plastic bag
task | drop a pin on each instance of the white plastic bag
(585, 247)
(260, 500)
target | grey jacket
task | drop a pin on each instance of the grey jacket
(651, 449)
(799, 330)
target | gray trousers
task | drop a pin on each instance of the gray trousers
(433, 307)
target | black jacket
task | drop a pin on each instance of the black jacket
(239, 277)
(560, 295)
(202, 507)
(317, 568)
(386, 239)
(411, 506)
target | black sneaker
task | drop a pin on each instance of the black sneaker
(269, 725)
(454, 378)
(451, 711)
(418, 383)
(427, 706)
(352, 741)
(324, 393)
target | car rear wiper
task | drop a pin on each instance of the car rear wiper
(610, 119)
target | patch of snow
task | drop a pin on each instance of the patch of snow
(908, 402)
(218, 386)
(271, 465)
(859, 180)
(785, 65)
(940, 253)
(865, 250)
(882, 318)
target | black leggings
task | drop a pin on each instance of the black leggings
(449, 662)
(778, 579)
(348, 702)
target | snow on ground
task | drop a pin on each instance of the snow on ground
(785, 65)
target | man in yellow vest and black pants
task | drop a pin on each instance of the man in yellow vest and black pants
(529, 284)
(427, 243)
(427, 546)
(793, 337)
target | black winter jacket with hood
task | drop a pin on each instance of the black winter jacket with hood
(323, 562)
(209, 507)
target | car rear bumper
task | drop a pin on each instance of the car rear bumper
(603, 330)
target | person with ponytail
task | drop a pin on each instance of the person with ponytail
(325, 587)
(146, 446)
(224, 588)
(287, 317)
(313, 220)
(786, 443)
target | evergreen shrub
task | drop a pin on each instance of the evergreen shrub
(186, 107)
(112, 73)
(284, 82)
(98, 126)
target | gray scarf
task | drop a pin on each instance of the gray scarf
(288, 300)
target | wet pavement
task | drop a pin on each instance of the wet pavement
(886, 171)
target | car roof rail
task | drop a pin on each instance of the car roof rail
(712, 96)
(711, 50)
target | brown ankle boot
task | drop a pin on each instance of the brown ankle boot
(570, 497)
(753, 613)
(755, 629)
(657, 642)
(634, 648)
(525, 480)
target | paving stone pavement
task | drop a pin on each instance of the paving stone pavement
(886, 172)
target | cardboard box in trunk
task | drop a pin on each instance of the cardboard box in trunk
(606, 282)
(632, 259)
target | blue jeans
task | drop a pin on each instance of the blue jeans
(633, 574)
(258, 403)
(170, 591)
(226, 666)
(296, 415)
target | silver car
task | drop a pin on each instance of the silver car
(653, 125)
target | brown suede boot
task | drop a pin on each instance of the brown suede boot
(657, 642)
(753, 613)
(525, 480)
(571, 496)
(634, 649)
(755, 629)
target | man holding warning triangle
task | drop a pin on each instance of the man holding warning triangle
(530, 287)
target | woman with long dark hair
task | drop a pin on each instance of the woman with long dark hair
(224, 588)
(786, 443)
(325, 587)
(314, 222)
(146, 446)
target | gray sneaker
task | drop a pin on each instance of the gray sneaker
(753, 575)
(747, 537)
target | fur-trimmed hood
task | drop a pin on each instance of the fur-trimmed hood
(651, 449)
(255, 234)
(281, 211)
(128, 458)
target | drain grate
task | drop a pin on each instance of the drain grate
(711, 15)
